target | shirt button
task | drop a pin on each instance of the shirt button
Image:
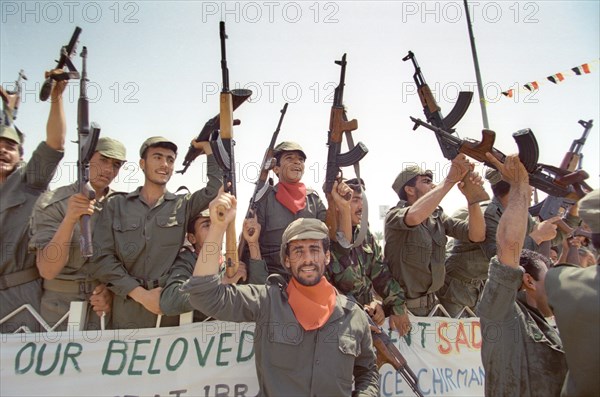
(317, 362)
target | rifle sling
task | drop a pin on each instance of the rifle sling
(364, 221)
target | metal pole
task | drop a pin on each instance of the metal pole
(477, 72)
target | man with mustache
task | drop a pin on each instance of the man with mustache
(416, 230)
(522, 354)
(21, 183)
(55, 236)
(357, 271)
(138, 235)
(309, 340)
(288, 200)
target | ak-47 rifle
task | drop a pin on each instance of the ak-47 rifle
(12, 99)
(338, 124)
(263, 182)
(87, 140)
(239, 96)
(222, 145)
(66, 52)
(433, 114)
(540, 175)
(388, 353)
(572, 163)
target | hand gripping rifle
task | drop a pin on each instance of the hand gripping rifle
(66, 52)
(12, 99)
(338, 124)
(388, 353)
(86, 142)
(433, 114)
(539, 175)
(570, 168)
(239, 96)
(222, 145)
(263, 182)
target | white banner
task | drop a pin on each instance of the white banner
(214, 359)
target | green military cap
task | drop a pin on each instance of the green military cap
(289, 147)
(356, 183)
(493, 176)
(589, 210)
(409, 173)
(111, 148)
(9, 132)
(302, 229)
(155, 140)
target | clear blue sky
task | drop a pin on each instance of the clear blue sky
(154, 69)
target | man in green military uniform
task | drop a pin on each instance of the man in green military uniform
(21, 183)
(573, 295)
(288, 200)
(309, 340)
(173, 301)
(468, 262)
(416, 229)
(521, 353)
(357, 271)
(139, 234)
(55, 235)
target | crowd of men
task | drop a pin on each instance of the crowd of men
(159, 253)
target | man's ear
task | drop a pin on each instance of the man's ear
(191, 238)
(286, 263)
(276, 170)
(142, 164)
(409, 190)
(528, 282)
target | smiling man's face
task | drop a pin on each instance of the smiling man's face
(9, 157)
(306, 260)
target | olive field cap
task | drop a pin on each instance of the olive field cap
(11, 133)
(493, 176)
(409, 173)
(589, 210)
(355, 183)
(111, 148)
(152, 141)
(289, 147)
(302, 229)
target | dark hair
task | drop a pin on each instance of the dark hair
(501, 189)
(164, 145)
(533, 263)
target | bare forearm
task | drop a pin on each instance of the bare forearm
(208, 259)
(476, 224)
(513, 226)
(424, 207)
(56, 127)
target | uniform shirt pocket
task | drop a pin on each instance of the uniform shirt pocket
(128, 239)
(169, 231)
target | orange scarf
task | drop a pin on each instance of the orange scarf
(312, 305)
(292, 196)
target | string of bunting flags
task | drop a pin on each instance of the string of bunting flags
(556, 78)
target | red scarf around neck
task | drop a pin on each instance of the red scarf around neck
(292, 196)
(312, 305)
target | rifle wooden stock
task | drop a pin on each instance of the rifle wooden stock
(226, 124)
(427, 100)
(388, 353)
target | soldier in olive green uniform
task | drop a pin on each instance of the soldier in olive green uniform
(55, 235)
(139, 234)
(416, 229)
(173, 301)
(521, 353)
(309, 340)
(287, 200)
(357, 271)
(467, 263)
(574, 295)
(21, 183)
